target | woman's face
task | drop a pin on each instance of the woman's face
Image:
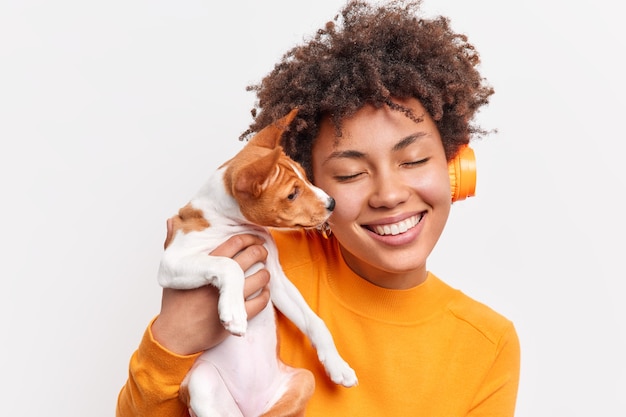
(389, 177)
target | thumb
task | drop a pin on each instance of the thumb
(170, 232)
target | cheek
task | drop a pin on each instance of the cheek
(347, 208)
(347, 204)
(432, 187)
(438, 188)
(437, 177)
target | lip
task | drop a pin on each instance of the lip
(397, 230)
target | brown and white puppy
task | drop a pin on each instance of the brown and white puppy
(260, 187)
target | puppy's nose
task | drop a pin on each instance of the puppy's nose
(331, 204)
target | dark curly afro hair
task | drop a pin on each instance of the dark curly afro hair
(369, 55)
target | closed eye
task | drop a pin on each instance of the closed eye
(416, 163)
(345, 178)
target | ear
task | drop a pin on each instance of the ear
(255, 177)
(269, 136)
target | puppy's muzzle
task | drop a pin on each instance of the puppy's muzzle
(330, 205)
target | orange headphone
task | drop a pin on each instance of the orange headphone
(463, 174)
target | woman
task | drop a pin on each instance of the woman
(386, 98)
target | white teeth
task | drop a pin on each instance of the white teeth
(397, 228)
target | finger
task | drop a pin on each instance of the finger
(235, 244)
(170, 232)
(250, 256)
(256, 282)
(255, 305)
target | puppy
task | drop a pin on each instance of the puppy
(259, 187)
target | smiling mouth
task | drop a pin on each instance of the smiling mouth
(396, 228)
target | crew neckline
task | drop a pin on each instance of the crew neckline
(404, 306)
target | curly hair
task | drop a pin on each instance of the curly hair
(370, 55)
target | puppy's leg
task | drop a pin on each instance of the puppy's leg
(205, 393)
(287, 298)
(195, 270)
(297, 393)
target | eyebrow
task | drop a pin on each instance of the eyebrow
(408, 140)
(354, 154)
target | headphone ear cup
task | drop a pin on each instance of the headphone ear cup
(462, 171)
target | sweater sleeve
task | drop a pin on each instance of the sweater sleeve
(497, 395)
(153, 381)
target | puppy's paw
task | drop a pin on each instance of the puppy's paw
(235, 320)
(346, 377)
(339, 371)
(235, 327)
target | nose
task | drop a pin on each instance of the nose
(389, 192)
(331, 204)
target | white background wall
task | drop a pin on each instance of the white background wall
(113, 113)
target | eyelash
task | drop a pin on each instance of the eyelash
(344, 178)
(419, 162)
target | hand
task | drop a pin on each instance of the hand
(188, 322)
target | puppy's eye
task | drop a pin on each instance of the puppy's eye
(294, 194)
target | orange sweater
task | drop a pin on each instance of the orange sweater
(429, 351)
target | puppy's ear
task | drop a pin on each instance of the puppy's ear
(253, 178)
(269, 136)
